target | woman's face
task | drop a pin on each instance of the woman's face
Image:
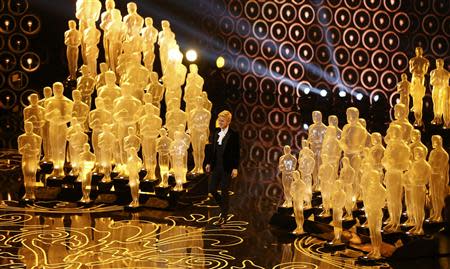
(223, 122)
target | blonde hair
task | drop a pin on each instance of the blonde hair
(226, 114)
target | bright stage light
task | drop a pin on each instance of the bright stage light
(342, 93)
(220, 62)
(359, 96)
(306, 90)
(323, 93)
(376, 98)
(305, 126)
(191, 55)
(175, 55)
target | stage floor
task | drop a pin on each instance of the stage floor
(58, 234)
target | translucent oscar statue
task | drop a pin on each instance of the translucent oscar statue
(299, 193)
(156, 89)
(72, 39)
(76, 138)
(420, 177)
(334, 121)
(306, 164)
(134, 166)
(376, 152)
(106, 19)
(439, 80)
(354, 135)
(87, 11)
(338, 203)
(45, 129)
(114, 35)
(105, 139)
(91, 38)
(374, 201)
(199, 119)
(132, 140)
(287, 165)
(85, 84)
(80, 110)
(438, 160)
(316, 133)
(403, 88)
(163, 149)
(347, 176)
(395, 161)
(87, 159)
(178, 152)
(97, 118)
(150, 35)
(149, 124)
(418, 66)
(29, 145)
(327, 178)
(110, 91)
(35, 114)
(58, 111)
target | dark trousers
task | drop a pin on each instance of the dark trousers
(220, 179)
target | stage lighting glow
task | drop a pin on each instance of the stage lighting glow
(175, 55)
(376, 98)
(342, 93)
(220, 62)
(306, 90)
(323, 93)
(359, 96)
(191, 55)
(305, 126)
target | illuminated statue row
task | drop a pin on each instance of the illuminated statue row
(439, 81)
(352, 168)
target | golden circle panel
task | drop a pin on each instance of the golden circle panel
(380, 60)
(287, 51)
(333, 35)
(17, 7)
(243, 27)
(250, 97)
(350, 76)
(362, 19)
(277, 69)
(414, 23)
(251, 47)
(2, 80)
(369, 78)
(259, 67)
(8, 98)
(381, 20)
(294, 120)
(18, 80)
(306, 14)
(390, 41)
(268, 85)
(341, 56)
(420, 40)
(332, 74)
(440, 46)
(278, 31)
(234, 45)
(226, 26)
(2, 42)
(422, 6)
(351, 37)
(24, 97)
(354, 94)
(324, 15)
(295, 70)
(270, 11)
(316, 2)
(313, 72)
(218, 43)
(267, 136)
(284, 137)
(352, 4)
(401, 22)
(250, 83)
(342, 18)
(268, 100)
(219, 7)
(229, 62)
(8, 61)
(303, 88)
(257, 153)
(2, 5)
(388, 81)
(372, 5)
(378, 96)
(446, 26)
(276, 118)
(286, 87)
(323, 54)
(241, 116)
(441, 7)
(430, 24)
(371, 39)
(392, 5)
(30, 24)
(252, 10)
(315, 34)
(334, 3)
(296, 32)
(234, 79)
(249, 131)
(260, 29)
(18, 43)
(235, 8)
(288, 13)
(258, 116)
(7, 24)
(243, 64)
(269, 49)
(30, 61)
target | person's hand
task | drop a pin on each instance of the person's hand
(234, 173)
(208, 168)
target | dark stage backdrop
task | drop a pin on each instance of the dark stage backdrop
(283, 59)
